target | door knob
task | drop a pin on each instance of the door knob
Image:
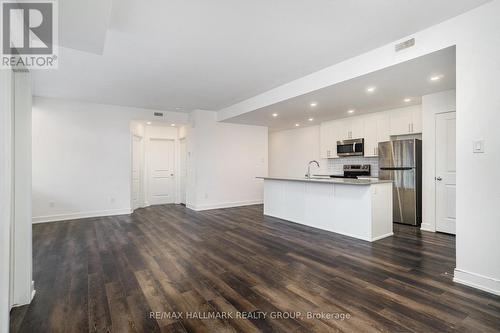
(439, 178)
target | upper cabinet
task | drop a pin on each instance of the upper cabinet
(374, 128)
(349, 128)
(406, 121)
(417, 120)
(328, 140)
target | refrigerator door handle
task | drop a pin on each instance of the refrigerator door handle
(396, 168)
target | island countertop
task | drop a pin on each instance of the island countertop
(345, 181)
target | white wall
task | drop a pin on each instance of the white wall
(476, 35)
(6, 194)
(291, 150)
(431, 105)
(223, 161)
(82, 158)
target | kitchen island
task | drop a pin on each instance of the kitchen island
(359, 208)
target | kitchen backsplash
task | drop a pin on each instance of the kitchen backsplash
(335, 165)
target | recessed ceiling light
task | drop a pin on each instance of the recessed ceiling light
(148, 123)
(275, 115)
(172, 125)
(407, 100)
(313, 104)
(297, 125)
(311, 119)
(350, 111)
(370, 89)
(178, 108)
(436, 77)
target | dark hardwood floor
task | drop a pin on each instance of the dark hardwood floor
(110, 273)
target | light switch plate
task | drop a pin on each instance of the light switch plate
(478, 146)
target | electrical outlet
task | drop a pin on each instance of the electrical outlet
(112, 200)
(52, 204)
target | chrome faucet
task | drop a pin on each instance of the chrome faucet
(308, 175)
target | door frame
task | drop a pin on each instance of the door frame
(436, 115)
(141, 187)
(6, 197)
(180, 199)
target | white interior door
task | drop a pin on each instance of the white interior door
(183, 170)
(137, 156)
(161, 171)
(446, 172)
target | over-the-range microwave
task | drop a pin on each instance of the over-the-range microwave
(352, 147)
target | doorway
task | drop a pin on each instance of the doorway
(446, 172)
(161, 176)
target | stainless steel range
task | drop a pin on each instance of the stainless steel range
(356, 170)
(352, 171)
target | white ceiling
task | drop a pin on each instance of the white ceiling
(393, 85)
(199, 54)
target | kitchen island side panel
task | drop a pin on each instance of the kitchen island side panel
(341, 208)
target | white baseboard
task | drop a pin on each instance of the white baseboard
(81, 215)
(484, 283)
(427, 227)
(26, 301)
(224, 205)
(382, 236)
(33, 291)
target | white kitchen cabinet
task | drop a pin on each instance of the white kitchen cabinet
(400, 121)
(376, 129)
(371, 136)
(417, 120)
(350, 128)
(356, 128)
(406, 121)
(328, 141)
(383, 127)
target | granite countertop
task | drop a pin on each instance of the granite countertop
(345, 181)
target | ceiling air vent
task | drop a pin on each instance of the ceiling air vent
(404, 45)
(158, 114)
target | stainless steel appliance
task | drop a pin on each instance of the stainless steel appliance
(356, 170)
(401, 162)
(352, 147)
(352, 171)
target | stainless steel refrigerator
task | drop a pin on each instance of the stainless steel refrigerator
(401, 162)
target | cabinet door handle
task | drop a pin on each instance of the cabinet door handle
(412, 127)
(409, 126)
